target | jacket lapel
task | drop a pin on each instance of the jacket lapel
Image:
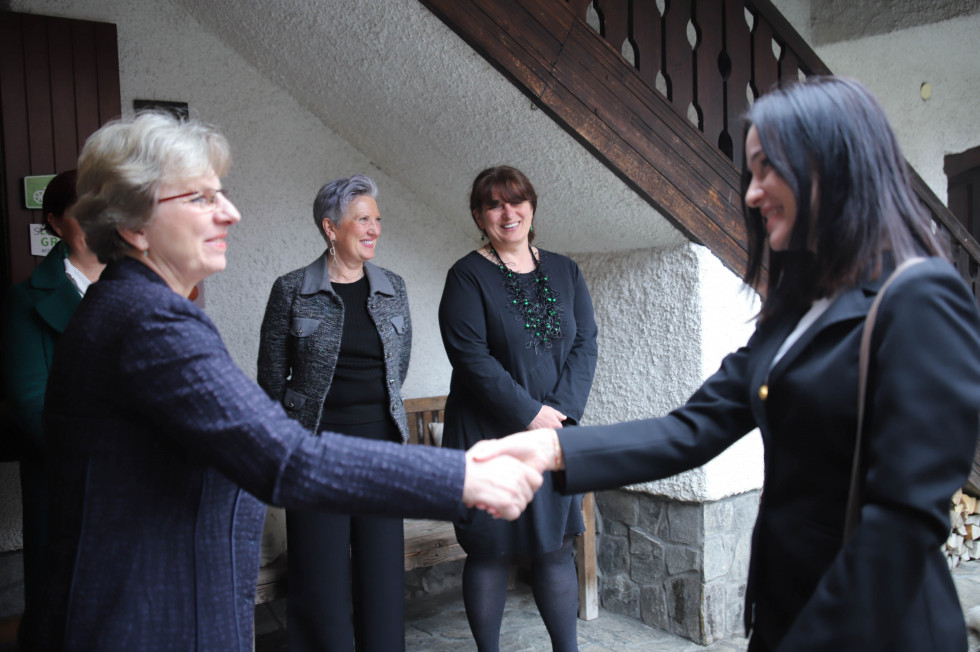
(850, 305)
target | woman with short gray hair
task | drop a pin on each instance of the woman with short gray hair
(334, 351)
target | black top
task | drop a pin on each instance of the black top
(500, 379)
(357, 393)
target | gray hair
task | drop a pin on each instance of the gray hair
(123, 165)
(335, 198)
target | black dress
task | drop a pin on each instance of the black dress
(502, 375)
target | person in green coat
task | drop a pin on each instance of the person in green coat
(36, 313)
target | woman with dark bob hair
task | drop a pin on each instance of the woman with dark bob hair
(163, 448)
(827, 197)
(519, 330)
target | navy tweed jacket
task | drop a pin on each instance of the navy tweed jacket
(162, 450)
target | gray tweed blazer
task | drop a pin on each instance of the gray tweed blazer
(301, 332)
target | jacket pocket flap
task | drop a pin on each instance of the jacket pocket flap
(293, 400)
(303, 326)
(398, 321)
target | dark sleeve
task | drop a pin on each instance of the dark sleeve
(924, 390)
(572, 390)
(273, 362)
(463, 322)
(180, 378)
(25, 365)
(606, 457)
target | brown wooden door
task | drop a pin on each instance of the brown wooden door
(963, 174)
(59, 82)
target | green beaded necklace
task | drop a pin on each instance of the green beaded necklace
(541, 313)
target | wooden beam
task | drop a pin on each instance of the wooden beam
(573, 74)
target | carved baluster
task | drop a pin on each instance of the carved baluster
(645, 29)
(764, 66)
(789, 67)
(614, 15)
(738, 44)
(708, 17)
(678, 56)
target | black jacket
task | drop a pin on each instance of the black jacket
(888, 587)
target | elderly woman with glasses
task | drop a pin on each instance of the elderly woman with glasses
(335, 345)
(164, 448)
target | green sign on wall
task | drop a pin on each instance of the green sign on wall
(34, 190)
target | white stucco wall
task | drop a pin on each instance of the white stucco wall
(666, 319)
(895, 65)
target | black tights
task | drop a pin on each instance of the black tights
(553, 582)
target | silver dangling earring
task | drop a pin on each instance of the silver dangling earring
(332, 251)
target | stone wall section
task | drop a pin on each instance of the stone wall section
(679, 566)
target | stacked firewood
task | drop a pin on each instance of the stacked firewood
(963, 543)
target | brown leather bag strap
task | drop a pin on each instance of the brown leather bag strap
(853, 516)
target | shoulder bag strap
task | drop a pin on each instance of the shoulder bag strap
(854, 494)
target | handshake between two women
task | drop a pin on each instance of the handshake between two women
(503, 474)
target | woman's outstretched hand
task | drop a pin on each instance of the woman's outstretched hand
(537, 448)
(500, 485)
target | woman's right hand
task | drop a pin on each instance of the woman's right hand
(500, 485)
(547, 417)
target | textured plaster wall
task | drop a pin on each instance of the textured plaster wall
(844, 20)
(666, 319)
(895, 65)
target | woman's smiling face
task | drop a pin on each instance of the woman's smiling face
(770, 194)
(185, 241)
(505, 222)
(357, 236)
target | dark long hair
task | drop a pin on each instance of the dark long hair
(831, 133)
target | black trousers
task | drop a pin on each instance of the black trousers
(346, 578)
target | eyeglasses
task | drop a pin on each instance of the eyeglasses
(207, 200)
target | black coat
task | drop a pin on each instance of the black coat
(888, 587)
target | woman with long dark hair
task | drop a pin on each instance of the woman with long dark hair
(827, 198)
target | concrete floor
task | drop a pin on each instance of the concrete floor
(438, 624)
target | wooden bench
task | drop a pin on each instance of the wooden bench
(428, 543)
